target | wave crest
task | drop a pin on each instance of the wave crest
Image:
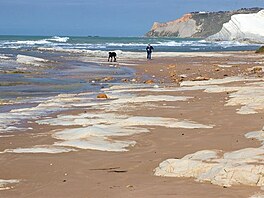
(59, 39)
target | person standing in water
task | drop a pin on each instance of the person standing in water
(149, 51)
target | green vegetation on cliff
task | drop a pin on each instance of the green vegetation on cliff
(260, 50)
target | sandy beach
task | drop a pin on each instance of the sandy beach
(171, 107)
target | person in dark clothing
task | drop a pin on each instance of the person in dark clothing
(149, 51)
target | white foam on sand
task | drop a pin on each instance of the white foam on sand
(30, 60)
(5, 57)
(102, 126)
(259, 135)
(110, 119)
(98, 143)
(163, 122)
(46, 106)
(149, 98)
(257, 195)
(120, 101)
(40, 149)
(225, 66)
(250, 97)
(6, 136)
(5, 184)
(217, 81)
(99, 129)
(134, 88)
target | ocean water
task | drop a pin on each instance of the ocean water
(134, 44)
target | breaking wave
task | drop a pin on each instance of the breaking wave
(37, 42)
(59, 39)
(124, 44)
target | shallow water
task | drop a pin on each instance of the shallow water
(28, 77)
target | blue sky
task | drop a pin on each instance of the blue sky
(100, 17)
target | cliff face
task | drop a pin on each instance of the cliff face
(183, 27)
(196, 25)
(242, 27)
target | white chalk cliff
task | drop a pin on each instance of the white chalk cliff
(196, 24)
(243, 27)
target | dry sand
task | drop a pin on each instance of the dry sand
(91, 173)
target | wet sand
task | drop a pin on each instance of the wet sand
(91, 173)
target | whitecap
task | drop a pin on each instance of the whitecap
(58, 39)
(30, 60)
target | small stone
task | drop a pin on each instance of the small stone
(124, 80)
(257, 69)
(200, 78)
(102, 96)
(107, 79)
(149, 82)
(183, 76)
(171, 66)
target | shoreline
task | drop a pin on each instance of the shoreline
(130, 173)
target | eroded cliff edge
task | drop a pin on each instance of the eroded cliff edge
(196, 24)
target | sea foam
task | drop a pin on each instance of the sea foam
(31, 60)
(58, 39)
(98, 130)
(5, 184)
